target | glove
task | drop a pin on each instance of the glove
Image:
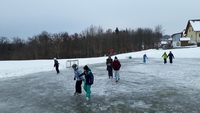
(74, 78)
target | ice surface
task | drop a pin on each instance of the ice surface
(153, 87)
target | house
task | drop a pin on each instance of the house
(176, 40)
(193, 30)
(185, 41)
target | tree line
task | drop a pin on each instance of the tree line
(92, 42)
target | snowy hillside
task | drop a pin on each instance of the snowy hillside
(19, 68)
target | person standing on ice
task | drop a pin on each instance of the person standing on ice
(109, 63)
(78, 79)
(56, 65)
(144, 58)
(171, 56)
(88, 81)
(116, 67)
(165, 57)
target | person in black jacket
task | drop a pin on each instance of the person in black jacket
(109, 63)
(88, 81)
(56, 65)
(171, 56)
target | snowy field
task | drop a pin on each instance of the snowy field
(34, 87)
(19, 68)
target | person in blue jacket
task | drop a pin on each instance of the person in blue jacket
(88, 81)
(144, 58)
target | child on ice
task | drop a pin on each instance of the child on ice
(88, 81)
(78, 79)
(144, 58)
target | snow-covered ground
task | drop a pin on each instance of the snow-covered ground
(19, 68)
(152, 87)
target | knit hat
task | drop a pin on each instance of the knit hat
(74, 65)
(86, 67)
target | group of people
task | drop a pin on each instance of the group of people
(165, 56)
(88, 77)
(113, 65)
(170, 55)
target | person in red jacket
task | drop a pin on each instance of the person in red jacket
(116, 67)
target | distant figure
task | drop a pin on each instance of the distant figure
(88, 81)
(56, 65)
(116, 67)
(165, 57)
(78, 79)
(109, 63)
(171, 56)
(144, 58)
(111, 52)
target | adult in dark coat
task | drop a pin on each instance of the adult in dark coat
(109, 63)
(56, 65)
(171, 56)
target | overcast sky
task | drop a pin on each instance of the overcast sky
(26, 18)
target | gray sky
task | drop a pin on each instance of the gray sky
(26, 18)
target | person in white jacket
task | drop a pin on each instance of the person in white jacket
(79, 79)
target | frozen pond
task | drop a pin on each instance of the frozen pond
(153, 87)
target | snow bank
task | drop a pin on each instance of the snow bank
(19, 68)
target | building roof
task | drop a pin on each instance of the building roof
(195, 25)
(176, 34)
(164, 42)
(185, 39)
(170, 39)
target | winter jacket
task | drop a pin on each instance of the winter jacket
(56, 63)
(89, 78)
(78, 72)
(109, 61)
(170, 55)
(116, 65)
(164, 56)
(145, 56)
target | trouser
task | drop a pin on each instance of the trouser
(144, 60)
(117, 76)
(87, 89)
(165, 60)
(170, 60)
(110, 71)
(78, 86)
(57, 70)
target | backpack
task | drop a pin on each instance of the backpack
(92, 78)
